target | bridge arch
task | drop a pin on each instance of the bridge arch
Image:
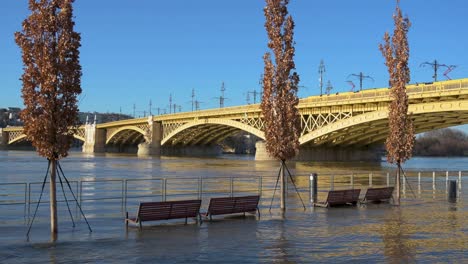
(219, 128)
(23, 136)
(372, 127)
(135, 133)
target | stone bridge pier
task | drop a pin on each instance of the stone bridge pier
(153, 137)
(99, 139)
(95, 139)
(3, 139)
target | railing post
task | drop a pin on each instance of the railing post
(370, 179)
(164, 190)
(29, 202)
(352, 181)
(446, 181)
(433, 181)
(231, 186)
(80, 194)
(404, 183)
(419, 183)
(25, 199)
(332, 182)
(459, 181)
(200, 189)
(123, 196)
(260, 183)
(313, 180)
(126, 193)
(388, 179)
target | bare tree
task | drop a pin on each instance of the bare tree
(401, 138)
(51, 83)
(280, 85)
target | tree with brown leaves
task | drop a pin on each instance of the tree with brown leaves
(280, 85)
(51, 83)
(401, 138)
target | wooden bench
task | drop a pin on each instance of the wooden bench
(340, 197)
(378, 195)
(153, 211)
(232, 205)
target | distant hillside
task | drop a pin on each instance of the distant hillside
(443, 142)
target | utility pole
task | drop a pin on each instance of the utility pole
(321, 71)
(170, 103)
(197, 105)
(436, 65)
(248, 98)
(361, 77)
(221, 98)
(134, 108)
(150, 104)
(329, 87)
(193, 98)
(254, 93)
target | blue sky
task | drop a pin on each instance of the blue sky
(136, 51)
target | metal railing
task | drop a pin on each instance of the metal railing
(115, 196)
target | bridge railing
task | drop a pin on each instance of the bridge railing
(113, 197)
(384, 92)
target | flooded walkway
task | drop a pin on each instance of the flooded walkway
(418, 231)
(425, 228)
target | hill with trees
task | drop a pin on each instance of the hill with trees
(442, 142)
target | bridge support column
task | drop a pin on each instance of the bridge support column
(261, 152)
(3, 139)
(95, 139)
(152, 144)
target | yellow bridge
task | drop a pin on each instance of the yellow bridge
(339, 126)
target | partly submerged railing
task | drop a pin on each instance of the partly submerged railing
(113, 197)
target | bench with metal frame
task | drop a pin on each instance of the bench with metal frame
(153, 211)
(340, 197)
(233, 205)
(377, 195)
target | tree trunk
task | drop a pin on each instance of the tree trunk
(53, 201)
(283, 186)
(397, 183)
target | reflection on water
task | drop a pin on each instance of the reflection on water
(395, 235)
(423, 229)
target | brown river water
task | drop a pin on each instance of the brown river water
(426, 228)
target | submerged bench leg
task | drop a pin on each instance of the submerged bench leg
(258, 210)
(140, 227)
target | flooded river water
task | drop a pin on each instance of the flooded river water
(426, 228)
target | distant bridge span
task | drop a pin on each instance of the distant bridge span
(343, 120)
